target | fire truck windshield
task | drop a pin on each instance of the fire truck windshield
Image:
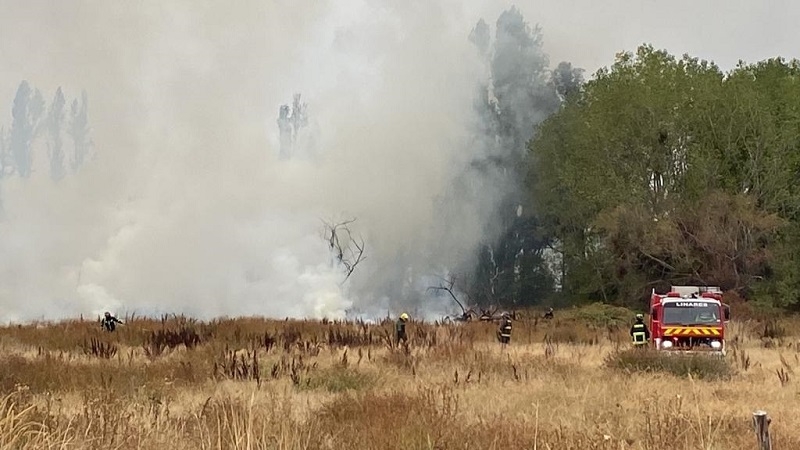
(691, 312)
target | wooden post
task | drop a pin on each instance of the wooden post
(761, 423)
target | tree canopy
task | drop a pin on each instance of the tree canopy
(662, 170)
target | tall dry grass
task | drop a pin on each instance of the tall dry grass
(262, 384)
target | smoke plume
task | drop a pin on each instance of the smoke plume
(186, 203)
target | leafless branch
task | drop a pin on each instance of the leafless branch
(447, 286)
(349, 251)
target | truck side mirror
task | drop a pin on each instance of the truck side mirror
(727, 313)
(653, 314)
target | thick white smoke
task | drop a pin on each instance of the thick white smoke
(186, 206)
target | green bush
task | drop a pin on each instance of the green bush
(699, 366)
(603, 315)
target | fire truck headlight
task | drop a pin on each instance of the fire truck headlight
(716, 345)
(666, 344)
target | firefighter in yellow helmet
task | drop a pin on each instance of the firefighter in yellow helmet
(639, 332)
(400, 328)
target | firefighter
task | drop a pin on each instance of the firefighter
(549, 314)
(504, 331)
(639, 332)
(400, 328)
(108, 322)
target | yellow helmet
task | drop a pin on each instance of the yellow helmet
(404, 316)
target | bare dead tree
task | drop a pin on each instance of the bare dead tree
(447, 285)
(488, 315)
(493, 281)
(347, 249)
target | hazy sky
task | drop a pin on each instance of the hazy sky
(590, 32)
(83, 43)
(126, 53)
(186, 207)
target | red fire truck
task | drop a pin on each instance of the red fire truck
(689, 319)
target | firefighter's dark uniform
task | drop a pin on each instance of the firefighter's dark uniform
(639, 333)
(504, 332)
(400, 328)
(109, 322)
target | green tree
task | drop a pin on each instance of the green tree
(664, 170)
(520, 93)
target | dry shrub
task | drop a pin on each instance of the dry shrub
(233, 423)
(48, 373)
(295, 368)
(773, 330)
(337, 379)
(103, 422)
(426, 418)
(157, 342)
(499, 433)
(237, 366)
(18, 427)
(646, 360)
(496, 363)
(431, 418)
(402, 358)
(63, 336)
(449, 351)
(573, 335)
(96, 347)
(106, 417)
(460, 334)
(738, 332)
(60, 374)
(351, 336)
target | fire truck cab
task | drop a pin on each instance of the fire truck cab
(689, 319)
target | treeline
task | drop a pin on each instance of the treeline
(62, 130)
(662, 170)
(520, 91)
(658, 170)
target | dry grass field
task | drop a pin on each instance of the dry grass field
(568, 383)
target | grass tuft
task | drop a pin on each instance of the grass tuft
(338, 379)
(697, 365)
